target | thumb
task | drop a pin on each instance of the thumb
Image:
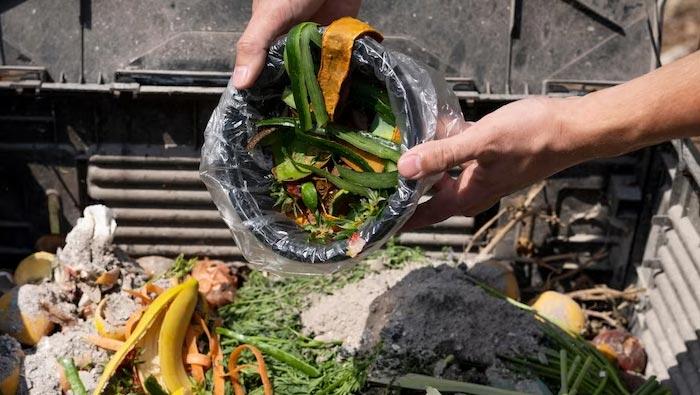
(437, 156)
(251, 48)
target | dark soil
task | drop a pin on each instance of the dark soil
(435, 322)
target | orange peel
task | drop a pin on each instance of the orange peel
(336, 53)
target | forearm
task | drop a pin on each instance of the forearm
(656, 107)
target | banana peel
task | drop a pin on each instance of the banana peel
(172, 337)
(164, 315)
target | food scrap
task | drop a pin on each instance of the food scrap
(331, 175)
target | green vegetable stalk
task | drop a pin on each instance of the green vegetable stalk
(280, 355)
(69, 369)
(301, 70)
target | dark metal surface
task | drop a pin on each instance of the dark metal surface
(504, 46)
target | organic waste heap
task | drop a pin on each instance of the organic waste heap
(71, 310)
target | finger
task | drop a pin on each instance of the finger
(437, 156)
(251, 48)
(440, 207)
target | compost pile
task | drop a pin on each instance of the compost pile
(91, 318)
(75, 320)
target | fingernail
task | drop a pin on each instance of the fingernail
(409, 165)
(240, 74)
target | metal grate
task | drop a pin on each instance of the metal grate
(163, 208)
(668, 322)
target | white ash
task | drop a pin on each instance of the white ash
(343, 314)
(59, 303)
(90, 295)
(89, 249)
(118, 308)
(41, 369)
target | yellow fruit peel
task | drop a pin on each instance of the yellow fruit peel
(10, 383)
(34, 268)
(103, 328)
(149, 318)
(561, 310)
(28, 327)
(172, 336)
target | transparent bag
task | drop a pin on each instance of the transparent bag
(239, 181)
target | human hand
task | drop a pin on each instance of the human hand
(270, 19)
(515, 146)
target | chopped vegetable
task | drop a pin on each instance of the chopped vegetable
(336, 148)
(370, 180)
(337, 181)
(381, 128)
(305, 87)
(309, 195)
(69, 369)
(371, 97)
(372, 144)
(234, 369)
(306, 145)
(288, 98)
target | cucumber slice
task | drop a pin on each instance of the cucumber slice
(381, 128)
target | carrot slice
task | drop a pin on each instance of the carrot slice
(132, 321)
(105, 342)
(336, 52)
(217, 358)
(192, 355)
(198, 360)
(234, 369)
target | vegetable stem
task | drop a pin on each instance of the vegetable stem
(71, 372)
(276, 353)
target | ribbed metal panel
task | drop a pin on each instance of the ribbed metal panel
(163, 208)
(668, 319)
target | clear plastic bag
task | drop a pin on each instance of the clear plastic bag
(239, 181)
